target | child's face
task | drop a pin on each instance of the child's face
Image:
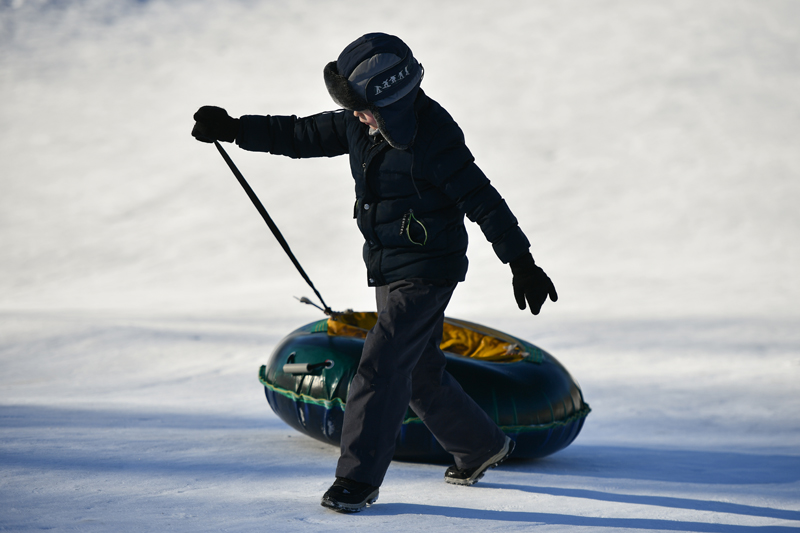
(366, 117)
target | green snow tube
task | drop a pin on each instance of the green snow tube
(525, 390)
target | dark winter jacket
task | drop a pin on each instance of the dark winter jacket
(413, 226)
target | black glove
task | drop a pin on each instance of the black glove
(531, 283)
(214, 124)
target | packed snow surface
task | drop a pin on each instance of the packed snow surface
(648, 149)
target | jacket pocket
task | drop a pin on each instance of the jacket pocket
(413, 229)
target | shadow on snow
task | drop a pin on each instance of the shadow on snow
(391, 509)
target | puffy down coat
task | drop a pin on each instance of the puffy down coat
(410, 204)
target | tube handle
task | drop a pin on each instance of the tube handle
(306, 368)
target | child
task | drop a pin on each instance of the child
(415, 179)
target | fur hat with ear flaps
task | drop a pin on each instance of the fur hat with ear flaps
(378, 73)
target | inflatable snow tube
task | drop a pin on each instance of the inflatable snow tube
(525, 390)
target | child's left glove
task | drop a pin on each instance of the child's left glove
(531, 283)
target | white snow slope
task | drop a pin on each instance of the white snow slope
(649, 149)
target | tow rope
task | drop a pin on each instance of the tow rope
(274, 228)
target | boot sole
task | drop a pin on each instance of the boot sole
(501, 456)
(340, 507)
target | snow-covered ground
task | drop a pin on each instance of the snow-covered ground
(649, 149)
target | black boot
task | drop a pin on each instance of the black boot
(469, 476)
(348, 496)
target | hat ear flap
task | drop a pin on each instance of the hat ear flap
(385, 132)
(341, 91)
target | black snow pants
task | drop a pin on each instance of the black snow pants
(402, 365)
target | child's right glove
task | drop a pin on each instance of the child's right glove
(214, 124)
(531, 283)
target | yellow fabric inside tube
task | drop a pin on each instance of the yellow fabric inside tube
(459, 337)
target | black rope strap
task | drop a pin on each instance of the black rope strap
(275, 231)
